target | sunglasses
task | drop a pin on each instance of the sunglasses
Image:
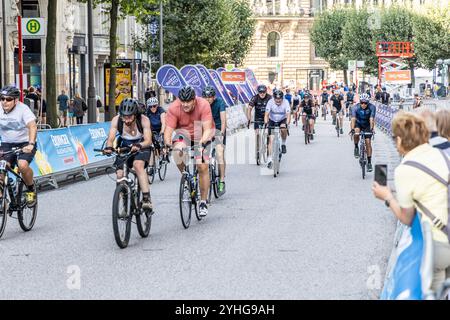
(9, 99)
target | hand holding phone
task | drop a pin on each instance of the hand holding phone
(381, 174)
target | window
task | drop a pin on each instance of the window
(273, 44)
(273, 7)
(30, 9)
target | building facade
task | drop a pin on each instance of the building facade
(282, 52)
(71, 45)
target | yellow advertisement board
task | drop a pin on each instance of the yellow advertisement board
(124, 88)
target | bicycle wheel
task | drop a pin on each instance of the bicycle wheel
(185, 201)
(212, 180)
(162, 169)
(217, 180)
(275, 158)
(362, 161)
(307, 137)
(196, 200)
(3, 212)
(121, 216)
(151, 169)
(143, 218)
(257, 151)
(26, 215)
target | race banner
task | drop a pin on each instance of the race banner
(193, 78)
(252, 79)
(219, 84)
(219, 91)
(405, 283)
(124, 85)
(56, 152)
(233, 89)
(86, 138)
(170, 79)
(246, 86)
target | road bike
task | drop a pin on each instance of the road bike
(214, 175)
(262, 140)
(158, 161)
(189, 196)
(13, 197)
(338, 126)
(276, 150)
(127, 202)
(324, 111)
(363, 150)
(307, 131)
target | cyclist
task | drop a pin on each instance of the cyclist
(191, 119)
(278, 114)
(157, 116)
(295, 106)
(258, 102)
(18, 129)
(307, 109)
(363, 119)
(324, 99)
(219, 114)
(350, 98)
(337, 102)
(134, 131)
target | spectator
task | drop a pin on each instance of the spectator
(70, 113)
(418, 191)
(79, 108)
(417, 101)
(435, 139)
(435, 89)
(385, 97)
(443, 124)
(43, 103)
(35, 98)
(63, 103)
(401, 103)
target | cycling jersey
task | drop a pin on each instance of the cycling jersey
(288, 97)
(324, 97)
(363, 115)
(336, 102)
(217, 107)
(155, 118)
(296, 101)
(307, 107)
(350, 97)
(260, 106)
(278, 113)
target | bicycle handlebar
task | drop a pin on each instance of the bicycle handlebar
(13, 150)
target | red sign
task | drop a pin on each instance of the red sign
(233, 77)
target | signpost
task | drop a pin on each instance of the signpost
(33, 28)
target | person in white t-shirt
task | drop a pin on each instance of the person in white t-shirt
(277, 114)
(18, 129)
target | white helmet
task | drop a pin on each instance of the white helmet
(153, 101)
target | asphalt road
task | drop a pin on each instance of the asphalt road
(314, 232)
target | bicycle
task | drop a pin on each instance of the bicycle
(276, 150)
(214, 175)
(324, 111)
(362, 149)
(262, 140)
(127, 202)
(349, 107)
(189, 195)
(159, 161)
(13, 198)
(338, 128)
(308, 133)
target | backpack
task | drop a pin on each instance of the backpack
(138, 124)
(436, 222)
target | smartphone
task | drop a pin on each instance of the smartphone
(381, 174)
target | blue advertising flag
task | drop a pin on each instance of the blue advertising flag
(251, 78)
(193, 78)
(405, 281)
(205, 73)
(247, 87)
(219, 84)
(89, 137)
(170, 79)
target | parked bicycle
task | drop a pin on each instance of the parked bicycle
(363, 150)
(158, 161)
(13, 197)
(127, 202)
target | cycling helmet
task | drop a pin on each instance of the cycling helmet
(307, 96)
(128, 107)
(364, 98)
(337, 92)
(208, 92)
(278, 94)
(10, 91)
(153, 101)
(262, 88)
(384, 88)
(187, 93)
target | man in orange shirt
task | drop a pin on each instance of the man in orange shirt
(191, 119)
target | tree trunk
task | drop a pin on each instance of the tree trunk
(413, 79)
(113, 60)
(50, 69)
(345, 76)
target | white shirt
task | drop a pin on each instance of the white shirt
(278, 113)
(13, 125)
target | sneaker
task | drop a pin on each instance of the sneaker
(369, 167)
(203, 209)
(283, 149)
(356, 153)
(269, 164)
(147, 205)
(31, 198)
(221, 187)
(342, 131)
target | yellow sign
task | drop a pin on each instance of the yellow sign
(33, 26)
(123, 84)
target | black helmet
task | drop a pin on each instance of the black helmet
(307, 96)
(262, 88)
(208, 92)
(10, 91)
(187, 93)
(128, 107)
(278, 94)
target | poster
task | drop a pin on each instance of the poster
(124, 85)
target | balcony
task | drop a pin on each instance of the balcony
(280, 8)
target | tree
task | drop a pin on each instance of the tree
(50, 58)
(432, 36)
(326, 35)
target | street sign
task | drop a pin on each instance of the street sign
(229, 67)
(360, 64)
(398, 77)
(278, 67)
(351, 64)
(235, 77)
(33, 28)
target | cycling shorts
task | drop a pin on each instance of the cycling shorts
(12, 158)
(141, 155)
(221, 139)
(276, 124)
(363, 126)
(182, 142)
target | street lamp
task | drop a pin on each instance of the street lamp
(92, 110)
